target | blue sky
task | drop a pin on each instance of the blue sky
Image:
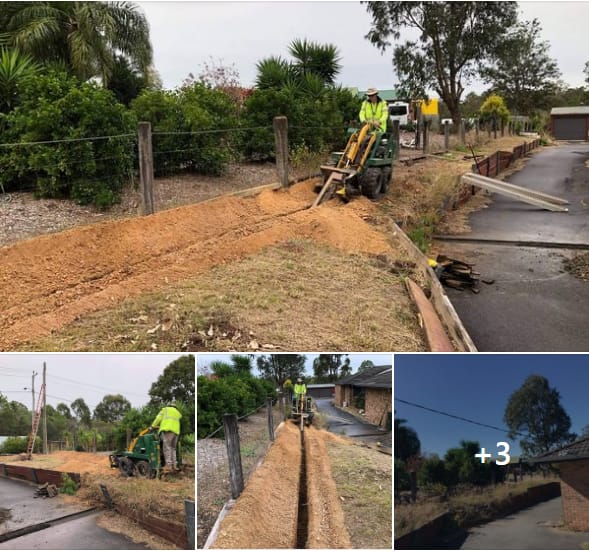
(478, 387)
(204, 359)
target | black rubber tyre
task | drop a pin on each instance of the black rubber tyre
(143, 469)
(386, 180)
(371, 183)
(126, 466)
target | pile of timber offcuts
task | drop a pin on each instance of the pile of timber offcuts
(457, 274)
(46, 491)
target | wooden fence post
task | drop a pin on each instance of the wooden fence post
(270, 419)
(476, 131)
(495, 128)
(397, 152)
(462, 132)
(281, 141)
(145, 167)
(233, 454)
(425, 134)
(189, 522)
(446, 136)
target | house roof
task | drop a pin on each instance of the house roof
(576, 110)
(578, 450)
(375, 376)
(320, 385)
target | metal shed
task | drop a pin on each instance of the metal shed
(570, 123)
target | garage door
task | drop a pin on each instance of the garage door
(570, 128)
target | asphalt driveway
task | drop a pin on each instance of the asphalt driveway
(74, 533)
(534, 305)
(529, 529)
(346, 424)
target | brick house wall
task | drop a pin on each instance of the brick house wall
(338, 395)
(378, 403)
(575, 494)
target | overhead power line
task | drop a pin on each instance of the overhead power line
(501, 429)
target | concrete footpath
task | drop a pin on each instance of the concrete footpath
(77, 533)
(529, 529)
(534, 305)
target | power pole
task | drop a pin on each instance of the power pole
(33, 392)
(44, 410)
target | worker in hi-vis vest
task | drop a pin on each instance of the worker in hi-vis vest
(300, 388)
(374, 111)
(168, 423)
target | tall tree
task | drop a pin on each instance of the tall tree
(279, 368)
(407, 442)
(112, 408)
(87, 36)
(64, 410)
(365, 364)
(176, 382)
(536, 410)
(82, 412)
(455, 38)
(326, 368)
(523, 72)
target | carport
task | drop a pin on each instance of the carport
(570, 123)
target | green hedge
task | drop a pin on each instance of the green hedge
(58, 108)
(236, 394)
(16, 445)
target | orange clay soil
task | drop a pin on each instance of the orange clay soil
(55, 279)
(265, 515)
(66, 461)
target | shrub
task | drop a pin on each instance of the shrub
(402, 479)
(57, 108)
(187, 114)
(68, 485)
(17, 445)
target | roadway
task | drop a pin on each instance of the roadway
(534, 305)
(41, 520)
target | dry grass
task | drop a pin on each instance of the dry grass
(116, 523)
(295, 296)
(467, 508)
(364, 484)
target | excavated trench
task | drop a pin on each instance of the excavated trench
(302, 513)
(58, 278)
(290, 501)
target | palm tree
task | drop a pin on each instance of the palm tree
(15, 68)
(314, 58)
(87, 36)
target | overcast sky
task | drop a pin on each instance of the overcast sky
(187, 34)
(86, 375)
(205, 359)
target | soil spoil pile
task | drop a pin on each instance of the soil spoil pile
(67, 461)
(55, 279)
(265, 515)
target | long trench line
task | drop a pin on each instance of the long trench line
(303, 507)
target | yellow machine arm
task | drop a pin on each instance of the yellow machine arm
(134, 440)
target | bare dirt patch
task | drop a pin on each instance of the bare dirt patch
(67, 461)
(298, 295)
(65, 276)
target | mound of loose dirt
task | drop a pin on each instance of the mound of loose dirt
(265, 515)
(55, 279)
(67, 461)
